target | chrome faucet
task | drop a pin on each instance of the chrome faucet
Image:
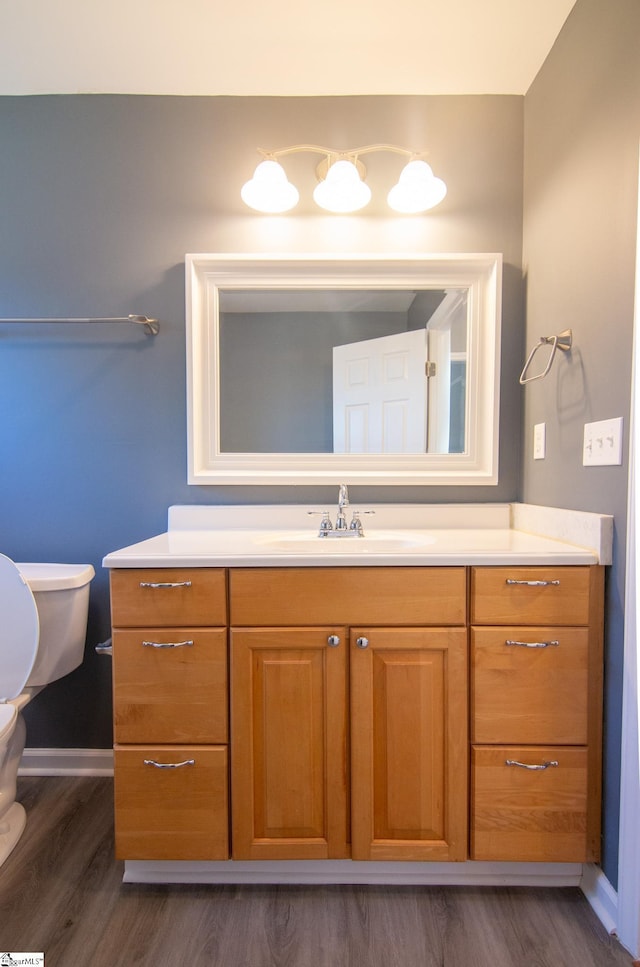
(343, 502)
(342, 529)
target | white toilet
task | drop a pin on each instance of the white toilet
(43, 626)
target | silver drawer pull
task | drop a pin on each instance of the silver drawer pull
(534, 584)
(168, 584)
(167, 644)
(362, 642)
(169, 765)
(553, 763)
(533, 644)
(333, 641)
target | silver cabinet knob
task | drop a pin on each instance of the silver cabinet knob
(362, 642)
(333, 641)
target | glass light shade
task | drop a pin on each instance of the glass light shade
(417, 190)
(269, 191)
(342, 190)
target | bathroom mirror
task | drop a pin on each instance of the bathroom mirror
(320, 369)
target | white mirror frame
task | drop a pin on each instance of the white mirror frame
(207, 274)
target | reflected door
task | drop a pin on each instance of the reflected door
(380, 395)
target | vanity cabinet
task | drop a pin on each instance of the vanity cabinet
(170, 713)
(536, 712)
(348, 713)
(372, 713)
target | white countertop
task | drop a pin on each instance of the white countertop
(396, 535)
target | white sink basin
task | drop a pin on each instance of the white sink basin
(374, 542)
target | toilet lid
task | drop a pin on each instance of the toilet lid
(19, 630)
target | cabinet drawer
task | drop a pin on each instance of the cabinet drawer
(530, 595)
(156, 597)
(345, 595)
(529, 685)
(525, 814)
(170, 685)
(176, 813)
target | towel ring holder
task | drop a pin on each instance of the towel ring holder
(562, 341)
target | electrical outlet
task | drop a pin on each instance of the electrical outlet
(539, 441)
(602, 443)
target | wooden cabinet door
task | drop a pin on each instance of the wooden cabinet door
(409, 743)
(289, 736)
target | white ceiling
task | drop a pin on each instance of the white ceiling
(275, 47)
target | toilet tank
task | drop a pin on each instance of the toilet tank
(61, 592)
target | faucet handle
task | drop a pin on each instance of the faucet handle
(325, 524)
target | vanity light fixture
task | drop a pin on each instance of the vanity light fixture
(341, 184)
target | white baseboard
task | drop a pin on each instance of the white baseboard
(601, 896)
(66, 762)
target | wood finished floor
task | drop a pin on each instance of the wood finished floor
(61, 893)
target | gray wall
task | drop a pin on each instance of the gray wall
(582, 132)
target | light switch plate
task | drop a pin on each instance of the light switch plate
(602, 443)
(539, 441)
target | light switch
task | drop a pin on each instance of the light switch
(539, 441)
(602, 443)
